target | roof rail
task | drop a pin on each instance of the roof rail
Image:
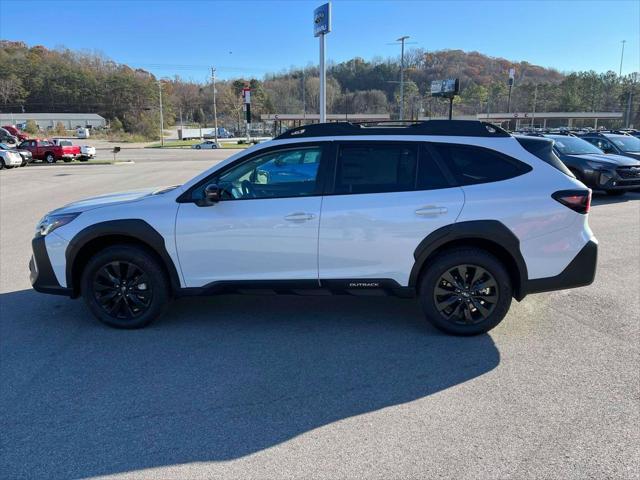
(463, 128)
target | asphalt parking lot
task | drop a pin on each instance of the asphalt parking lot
(312, 387)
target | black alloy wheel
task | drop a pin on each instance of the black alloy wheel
(125, 286)
(466, 294)
(465, 291)
(123, 290)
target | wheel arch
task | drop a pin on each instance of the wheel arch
(490, 235)
(117, 232)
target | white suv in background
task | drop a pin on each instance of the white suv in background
(459, 214)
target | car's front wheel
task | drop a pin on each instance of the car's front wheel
(125, 286)
(465, 291)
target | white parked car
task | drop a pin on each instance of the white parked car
(87, 152)
(206, 144)
(10, 159)
(459, 214)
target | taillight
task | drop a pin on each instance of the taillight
(577, 200)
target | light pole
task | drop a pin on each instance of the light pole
(621, 58)
(215, 112)
(161, 115)
(402, 40)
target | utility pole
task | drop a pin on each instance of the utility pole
(161, 115)
(621, 58)
(402, 40)
(535, 99)
(304, 97)
(215, 112)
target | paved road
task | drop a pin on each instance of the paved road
(307, 387)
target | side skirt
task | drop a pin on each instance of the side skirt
(356, 287)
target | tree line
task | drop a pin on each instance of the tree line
(37, 79)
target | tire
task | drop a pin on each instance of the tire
(1, 163)
(102, 277)
(198, 147)
(66, 160)
(83, 159)
(615, 193)
(463, 317)
(49, 158)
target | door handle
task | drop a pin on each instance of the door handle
(299, 217)
(431, 211)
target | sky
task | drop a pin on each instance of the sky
(251, 38)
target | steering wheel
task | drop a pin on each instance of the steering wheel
(247, 189)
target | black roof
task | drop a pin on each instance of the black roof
(462, 128)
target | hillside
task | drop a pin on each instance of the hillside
(37, 79)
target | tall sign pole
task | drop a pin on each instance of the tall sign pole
(621, 58)
(512, 76)
(322, 26)
(161, 115)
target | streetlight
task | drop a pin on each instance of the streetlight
(402, 40)
(215, 112)
(621, 57)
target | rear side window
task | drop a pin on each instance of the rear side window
(471, 165)
(543, 149)
(371, 168)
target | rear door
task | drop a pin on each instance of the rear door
(385, 198)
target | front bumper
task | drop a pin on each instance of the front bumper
(621, 178)
(41, 274)
(579, 273)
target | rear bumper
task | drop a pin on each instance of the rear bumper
(41, 273)
(579, 273)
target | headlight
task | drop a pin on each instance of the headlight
(599, 165)
(50, 222)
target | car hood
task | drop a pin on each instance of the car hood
(104, 200)
(611, 159)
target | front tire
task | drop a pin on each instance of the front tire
(465, 291)
(125, 286)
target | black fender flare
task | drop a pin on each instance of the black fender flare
(136, 229)
(486, 231)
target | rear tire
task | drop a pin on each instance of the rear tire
(49, 158)
(450, 292)
(125, 286)
(1, 163)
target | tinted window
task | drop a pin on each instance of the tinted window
(371, 168)
(543, 149)
(279, 174)
(471, 165)
(429, 174)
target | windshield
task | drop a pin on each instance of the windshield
(627, 144)
(574, 146)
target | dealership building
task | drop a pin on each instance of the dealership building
(50, 120)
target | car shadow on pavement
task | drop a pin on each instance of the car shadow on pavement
(215, 379)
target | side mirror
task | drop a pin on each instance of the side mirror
(212, 193)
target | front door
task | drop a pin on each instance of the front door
(264, 228)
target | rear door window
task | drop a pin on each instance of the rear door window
(471, 165)
(376, 167)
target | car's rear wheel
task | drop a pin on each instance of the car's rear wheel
(49, 158)
(198, 147)
(66, 160)
(125, 287)
(465, 291)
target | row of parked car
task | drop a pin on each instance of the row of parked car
(17, 150)
(606, 160)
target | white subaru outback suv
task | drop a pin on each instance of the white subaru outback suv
(459, 214)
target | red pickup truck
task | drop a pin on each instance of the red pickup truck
(47, 151)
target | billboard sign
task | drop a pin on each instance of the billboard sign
(322, 20)
(445, 88)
